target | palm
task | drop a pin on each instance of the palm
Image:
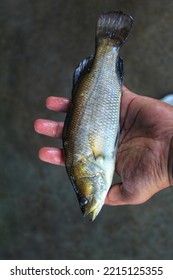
(142, 156)
(143, 148)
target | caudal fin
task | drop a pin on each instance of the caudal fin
(114, 26)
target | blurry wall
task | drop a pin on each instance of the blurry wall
(41, 44)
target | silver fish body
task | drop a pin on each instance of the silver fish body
(92, 125)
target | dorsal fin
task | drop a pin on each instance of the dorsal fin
(83, 67)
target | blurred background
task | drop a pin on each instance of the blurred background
(41, 44)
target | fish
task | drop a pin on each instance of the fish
(92, 125)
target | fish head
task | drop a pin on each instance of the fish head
(91, 194)
(91, 180)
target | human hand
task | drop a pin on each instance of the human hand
(143, 160)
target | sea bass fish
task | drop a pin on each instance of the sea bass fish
(91, 129)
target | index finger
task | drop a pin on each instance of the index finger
(59, 104)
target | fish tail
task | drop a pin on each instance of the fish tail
(114, 26)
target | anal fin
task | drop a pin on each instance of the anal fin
(120, 69)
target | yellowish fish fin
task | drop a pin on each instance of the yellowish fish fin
(96, 146)
(114, 26)
(83, 67)
(97, 153)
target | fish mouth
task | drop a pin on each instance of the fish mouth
(90, 208)
(93, 212)
(91, 194)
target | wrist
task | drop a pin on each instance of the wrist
(170, 162)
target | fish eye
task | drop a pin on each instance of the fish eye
(83, 201)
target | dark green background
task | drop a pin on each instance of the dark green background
(41, 44)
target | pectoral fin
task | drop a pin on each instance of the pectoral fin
(96, 145)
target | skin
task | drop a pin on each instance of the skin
(145, 153)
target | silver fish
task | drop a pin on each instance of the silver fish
(91, 130)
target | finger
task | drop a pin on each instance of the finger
(59, 104)
(128, 91)
(49, 128)
(115, 195)
(51, 155)
(118, 195)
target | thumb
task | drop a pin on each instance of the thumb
(118, 195)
